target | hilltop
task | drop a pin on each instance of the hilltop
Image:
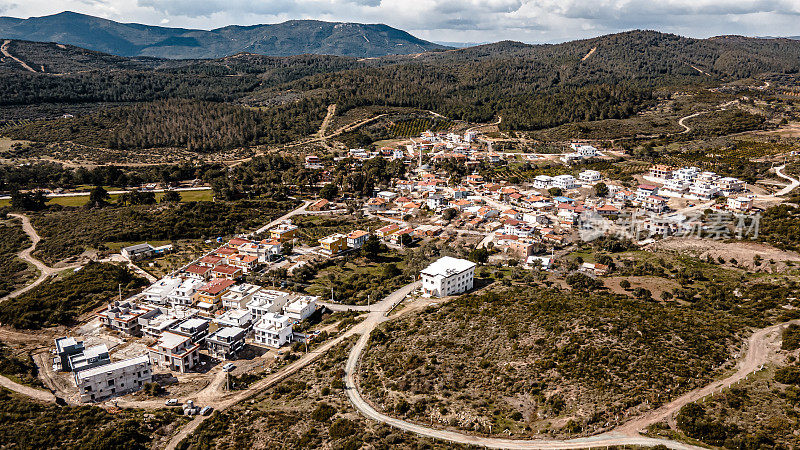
(293, 37)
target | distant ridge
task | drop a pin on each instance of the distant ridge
(294, 37)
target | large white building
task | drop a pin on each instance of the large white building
(564, 181)
(273, 330)
(448, 276)
(114, 378)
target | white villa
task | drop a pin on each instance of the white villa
(273, 330)
(448, 276)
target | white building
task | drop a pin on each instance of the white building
(183, 294)
(675, 186)
(266, 301)
(114, 378)
(564, 182)
(740, 204)
(241, 318)
(448, 276)
(703, 191)
(590, 176)
(686, 173)
(273, 330)
(542, 181)
(357, 238)
(159, 292)
(238, 295)
(586, 151)
(299, 308)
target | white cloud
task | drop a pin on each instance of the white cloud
(453, 20)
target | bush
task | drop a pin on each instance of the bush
(60, 302)
(342, 428)
(791, 337)
(323, 412)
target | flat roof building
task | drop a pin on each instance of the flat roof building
(448, 276)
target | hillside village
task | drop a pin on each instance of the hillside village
(204, 311)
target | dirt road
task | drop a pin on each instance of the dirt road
(793, 183)
(762, 348)
(688, 129)
(36, 394)
(289, 215)
(44, 270)
(4, 50)
(327, 120)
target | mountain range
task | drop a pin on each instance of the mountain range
(294, 37)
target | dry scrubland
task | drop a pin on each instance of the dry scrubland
(308, 410)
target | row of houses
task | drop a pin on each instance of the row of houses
(691, 182)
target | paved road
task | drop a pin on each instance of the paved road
(762, 348)
(45, 271)
(793, 183)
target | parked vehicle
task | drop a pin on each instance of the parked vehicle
(171, 402)
(228, 367)
(206, 410)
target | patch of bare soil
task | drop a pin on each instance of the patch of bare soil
(753, 256)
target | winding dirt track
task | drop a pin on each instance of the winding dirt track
(688, 129)
(44, 270)
(7, 54)
(762, 348)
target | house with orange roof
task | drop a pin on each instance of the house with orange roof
(209, 297)
(319, 205)
(236, 242)
(226, 271)
(460, 204)
(198, 271)
(210, 260)
(608, 210)
(388, 230)
(245, 262)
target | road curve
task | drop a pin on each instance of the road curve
(761, 348)
(793, 183)
(44, 270)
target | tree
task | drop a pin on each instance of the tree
(329, 191)
(478, 255)
(666, 295)
(642, 293)
(171, 197)
(372, 246)
(581, 281)
(555, 192)
(449, 214)
(625, 284)
(390, 271)
(32, 201)
(600, 189)
(98, 197)
(287, 248)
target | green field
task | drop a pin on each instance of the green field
(199, 195)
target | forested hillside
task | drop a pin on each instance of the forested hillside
(530, 86)
(195, 125)
(292, 37)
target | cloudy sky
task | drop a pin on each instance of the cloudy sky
(532, 21)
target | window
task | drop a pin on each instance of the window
(110, 382)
